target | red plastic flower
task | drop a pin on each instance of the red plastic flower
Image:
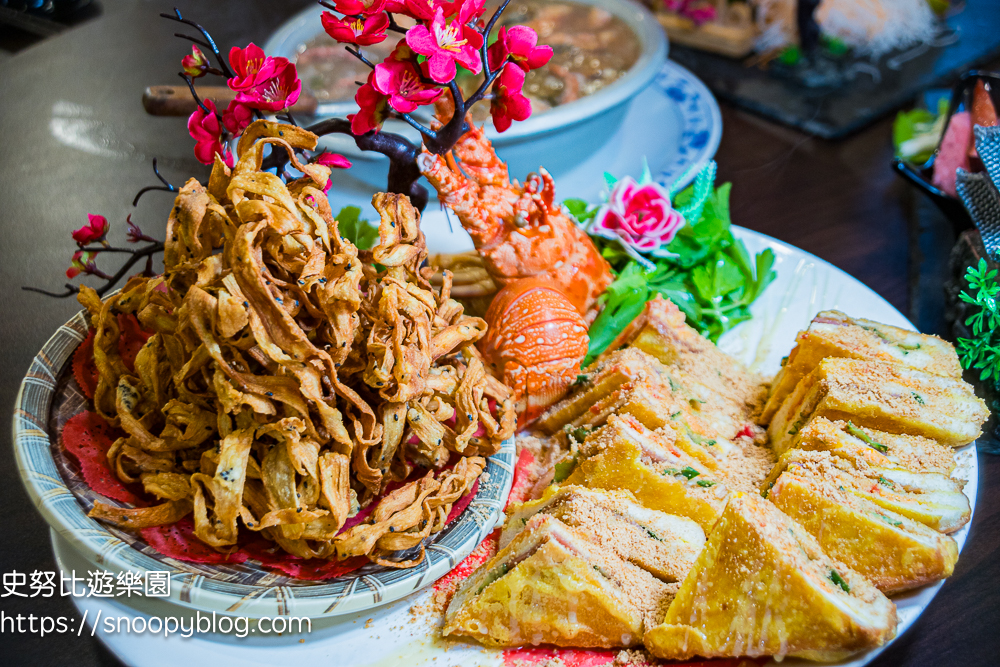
(374, 108)
(509, 103)
(519, 42)
(401, 83)
(360, 7)
(237, 117)
(93, 232)
(275, 93)
(83, 262)
(445, 44)
(251, 67)
(363, 31)
(640, 215)
(206, 130)
(196, 64)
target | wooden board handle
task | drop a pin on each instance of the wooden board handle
(177, 100)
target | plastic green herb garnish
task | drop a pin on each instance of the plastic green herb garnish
(982, 351)
(355, 229)
(839, 580)
(858, 433)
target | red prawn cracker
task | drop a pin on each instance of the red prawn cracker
(88, 438)
(179, 542)
(84, 369)
(132, 338)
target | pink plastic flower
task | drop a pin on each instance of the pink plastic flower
(640, 216)
(82, 262)
(251, 67)
(359, 7)
(400, 82)
(508, 102)
(333, 161)
(698, 11)
(423, 10)
(93, 232)
(206, 130)
(363, 31)
(519, 42)
(275, 93)
(445, 44)
(237, 117)
(195, 65)
(374, 108)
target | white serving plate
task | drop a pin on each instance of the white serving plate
(391, 634)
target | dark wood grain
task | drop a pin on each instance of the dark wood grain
(75, 140)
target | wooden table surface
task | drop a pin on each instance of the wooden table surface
(75, 141)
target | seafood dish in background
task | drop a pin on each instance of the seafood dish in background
(591, 47)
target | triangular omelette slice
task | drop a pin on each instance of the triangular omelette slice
(893, 552)
(664, 545)
(933, 499)
(763, 586)
(552, 585)
(624, 454)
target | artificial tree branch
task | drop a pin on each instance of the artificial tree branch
(110, 281)
(223, 65)
(486, 38)
(393, 26)
(166, 187)
(190, 82)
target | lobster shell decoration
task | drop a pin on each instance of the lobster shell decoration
(534, 342)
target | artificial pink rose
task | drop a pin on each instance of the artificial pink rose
(237, 117)
(519, 43)
(251, 67)
(445, 44)
(363, 31)
(206, 130)
(508, 102)
(641, 216)
(276, 93)
(374, 108)
(400, 82)
(195, 65)
(93, 232)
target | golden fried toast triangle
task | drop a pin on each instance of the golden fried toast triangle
(551, 585)
(664, 545)
(624, 454)
(892, 551)
(885, 397)
(763, 586)
(834, 334)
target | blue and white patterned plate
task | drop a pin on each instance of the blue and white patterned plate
(47, 397)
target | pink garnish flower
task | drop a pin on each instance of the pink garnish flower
(445, 44)
(374, 108)
(276, 93)
(508, 102)
(400, 82)
(83, 262)
(195, 65)
(520, 43)
(333, 161)
(93, 232)
(237, 117)
(206, 130)
(363, 31)
(252, 67)
(641, 217)
(359, 7)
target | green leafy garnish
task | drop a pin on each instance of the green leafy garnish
(689, 472)
(839, 580)
(982, 351)
(705, 483)
(670, 471)
(891, 522)
(884, 482)
(654, 535)
(796, 426)
(675, 415)
(580, 433)
(581, 210)
(916, 133)
(709, 274)
(563, 469)
(356, 229)
(858, 433)
(918, 398)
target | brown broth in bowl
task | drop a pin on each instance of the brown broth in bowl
(591, 48)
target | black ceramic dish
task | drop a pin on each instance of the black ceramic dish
(920, 175)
